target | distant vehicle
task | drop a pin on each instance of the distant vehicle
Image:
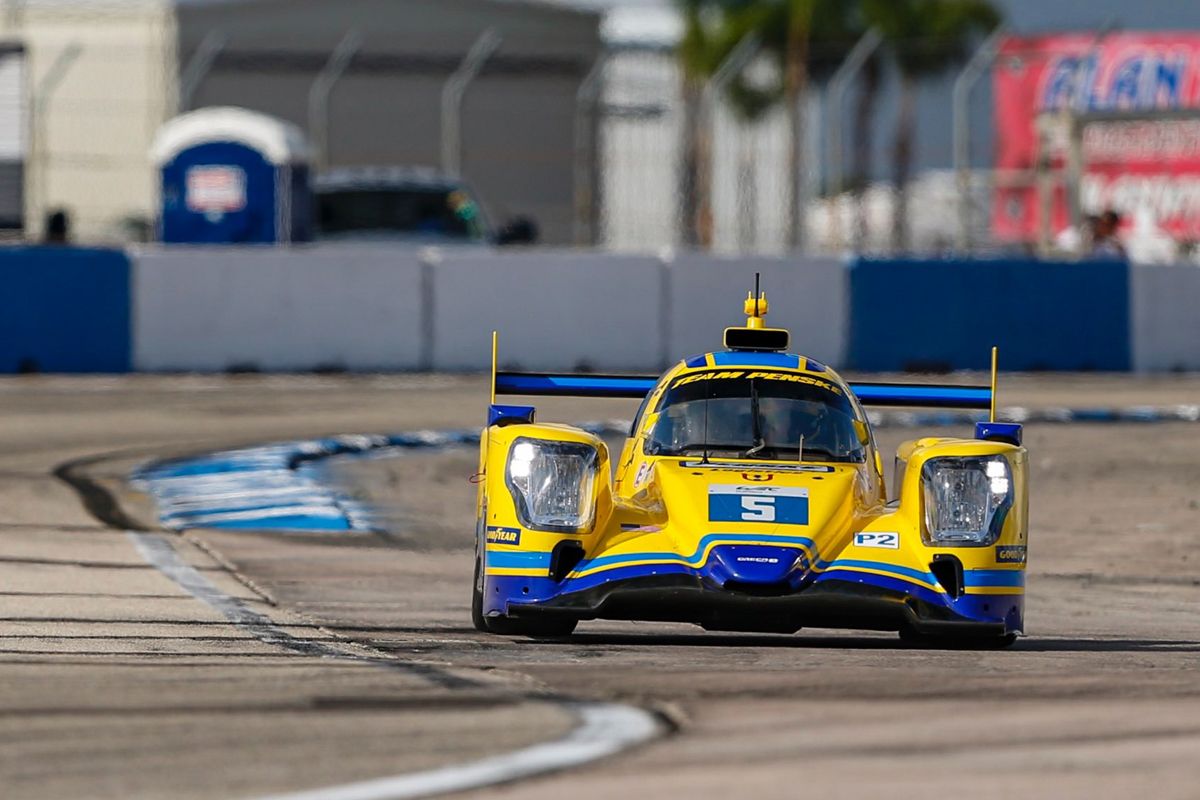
(750, 496)
(406, 204)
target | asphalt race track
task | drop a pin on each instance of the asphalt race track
(139, 663)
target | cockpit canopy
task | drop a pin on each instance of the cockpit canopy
(760, 415)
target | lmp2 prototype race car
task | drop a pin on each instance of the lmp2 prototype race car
(750, 496)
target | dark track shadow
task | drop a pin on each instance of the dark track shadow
(883, 642)
(726, 640)
(379, 635)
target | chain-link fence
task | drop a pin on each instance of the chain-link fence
(607, 147)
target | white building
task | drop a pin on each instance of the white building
(101, 77)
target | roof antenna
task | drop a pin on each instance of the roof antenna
(757, 294)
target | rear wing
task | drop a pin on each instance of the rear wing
(549, 384)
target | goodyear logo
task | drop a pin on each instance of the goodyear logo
(504, 536)
(1010, 554)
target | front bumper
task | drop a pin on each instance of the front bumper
(824, 604)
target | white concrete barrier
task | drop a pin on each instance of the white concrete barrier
(393, 308)
(220, 308)
(1165, 321)
(555, 310)
(806, 296)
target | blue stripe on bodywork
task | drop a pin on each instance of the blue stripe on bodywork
(907, 572)
(741, 358)
(518, 560)
(883, 581)
(994, 577)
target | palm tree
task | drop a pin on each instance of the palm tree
(926, 37)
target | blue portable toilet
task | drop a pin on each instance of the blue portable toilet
(233, 176)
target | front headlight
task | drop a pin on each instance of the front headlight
(552, 484)
(966, 500)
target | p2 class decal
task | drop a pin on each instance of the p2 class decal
(881, 540)
(1010, 554)
(778, 505)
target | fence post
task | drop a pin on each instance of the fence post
(963, 84)
(198, 67)
(738, 59)
(320, 92)
(452, 99)
(587, 152)
(39, 102)
(863, 49)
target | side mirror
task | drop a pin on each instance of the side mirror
(864, 433)
(518, 230)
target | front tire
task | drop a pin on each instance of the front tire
(477, 617)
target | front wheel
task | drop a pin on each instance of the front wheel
(913, 638)
(477, 617)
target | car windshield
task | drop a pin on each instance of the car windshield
(762, 415)
(418, 212)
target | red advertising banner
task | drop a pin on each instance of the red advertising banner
(1130, 166)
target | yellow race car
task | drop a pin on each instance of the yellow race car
(750, 496)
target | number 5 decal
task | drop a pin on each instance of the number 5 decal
(758, 509)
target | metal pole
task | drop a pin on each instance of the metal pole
(198, 67)
(863, 49)
(39, 102)
(1044, 183)
(1075, 166)
(320, 92)
(586, 152)
(963, 84)
(14, 13)
(452, 99)
(740, 57)
(1079, 105)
